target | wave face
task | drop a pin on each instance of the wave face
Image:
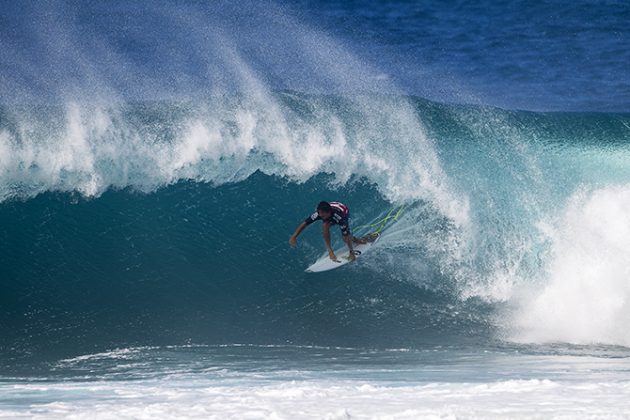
(152, 169)
(168, 222)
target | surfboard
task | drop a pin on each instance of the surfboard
(324, 263)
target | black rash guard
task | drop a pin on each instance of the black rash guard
(340, 216)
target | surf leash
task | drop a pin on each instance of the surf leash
(382, 222)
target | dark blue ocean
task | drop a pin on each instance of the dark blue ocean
(155, 158)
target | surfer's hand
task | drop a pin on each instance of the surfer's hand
(292, 241)
(332, 255)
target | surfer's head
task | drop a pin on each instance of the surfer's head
(324, 210)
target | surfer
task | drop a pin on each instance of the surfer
(331, 213)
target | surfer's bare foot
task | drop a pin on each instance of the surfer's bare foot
(371, 237)
(360, 241)
(332, 256)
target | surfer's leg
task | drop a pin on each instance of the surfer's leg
(347, 233)
(344, 226)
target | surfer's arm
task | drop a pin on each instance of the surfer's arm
(348, 240)
(346, 235)
(299, 230)
(331, 253)
(310, 219)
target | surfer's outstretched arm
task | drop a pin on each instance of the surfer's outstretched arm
(293, 239)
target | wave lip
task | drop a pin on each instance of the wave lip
(89, 148)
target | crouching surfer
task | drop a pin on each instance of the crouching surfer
(331, 213)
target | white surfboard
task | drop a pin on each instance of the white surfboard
(324, 263)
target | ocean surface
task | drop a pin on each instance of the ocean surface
(155, 158)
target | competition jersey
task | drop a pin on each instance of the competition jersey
(340, 213)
